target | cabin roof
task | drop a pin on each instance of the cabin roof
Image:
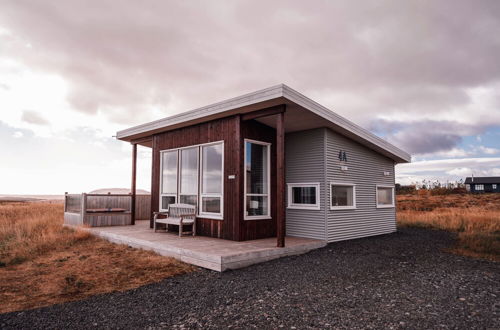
(483, 180)
(302, 113)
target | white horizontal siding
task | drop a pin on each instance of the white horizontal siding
(366, 170)
(304, 152)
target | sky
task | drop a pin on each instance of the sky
(425, 75)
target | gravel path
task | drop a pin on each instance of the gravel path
(401, 280)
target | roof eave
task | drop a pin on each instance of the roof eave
(399, 156)
(218, 108)
(228, 107)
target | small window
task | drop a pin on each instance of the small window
(385, 196)
(342, 196)
(303, 196)
(480, 187)
(494, 186)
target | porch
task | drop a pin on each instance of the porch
(207, 252)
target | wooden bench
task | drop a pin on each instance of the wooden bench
(179, 215)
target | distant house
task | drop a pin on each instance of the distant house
(251, 162)
(487, 184)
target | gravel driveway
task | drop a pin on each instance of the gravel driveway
(402, 280)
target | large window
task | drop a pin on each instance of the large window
(303, 196)
(479, 187)
(257, 180)
(189, 176)
(385, 196)
(169, 179)
(211, 179)
(194, 175)
(342, 196)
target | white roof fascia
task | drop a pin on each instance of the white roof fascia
(262, 96)
(216, 108)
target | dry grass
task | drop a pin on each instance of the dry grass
(475, 219)
(43, 263)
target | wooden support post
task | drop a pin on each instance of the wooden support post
(133, 188)
(154, 180)
(83, 210)
(65, 201)
(280, 178)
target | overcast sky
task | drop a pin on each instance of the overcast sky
(425, 75)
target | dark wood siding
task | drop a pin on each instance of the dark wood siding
(232, 131)
(255, 229)
(227, 130)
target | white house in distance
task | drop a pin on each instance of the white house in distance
(269, 164)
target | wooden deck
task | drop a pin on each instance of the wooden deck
(212, 253)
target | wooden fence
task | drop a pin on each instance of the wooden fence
(104, 209)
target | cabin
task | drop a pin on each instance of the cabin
(484, 184)
(268, 164)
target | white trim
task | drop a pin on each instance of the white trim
(376, 196)
(212, 216)
(291, 205)
(343, 184)
(192, 146)
(268, 195)
(271, 96)
(258, 217)
(198, 194)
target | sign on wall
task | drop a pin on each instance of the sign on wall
(342, 156)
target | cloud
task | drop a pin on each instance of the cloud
(79, 161)
(32, 117)
(126, 60)
(447, 169)
(17, 134)
(488, 150)
(427, 137)
(416, 75)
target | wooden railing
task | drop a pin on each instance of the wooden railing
(87, 208)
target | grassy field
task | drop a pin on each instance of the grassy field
(42, 262)
(475, 219)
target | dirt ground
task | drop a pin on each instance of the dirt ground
(42, 263)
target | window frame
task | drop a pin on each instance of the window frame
(166, 195)
(478, 187)
(393, 196)
(179, 176)
(494, 186)
(292, 205)
(245, 194)
(345, 184)
(199, 213)
(176, 194)
(210, 215)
